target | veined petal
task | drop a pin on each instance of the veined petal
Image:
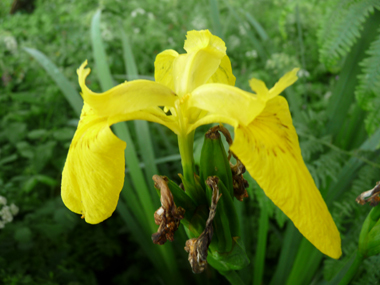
(205, 53)
(126, 97)
(224, 73)
(284, 82)
(228, 101)
(93, 175)
(163, 68)
(269, 149)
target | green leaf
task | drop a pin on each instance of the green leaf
(71, 95)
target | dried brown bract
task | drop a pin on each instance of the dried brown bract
(198, 247)
(168, 216)
(239, 183)
(371, 196)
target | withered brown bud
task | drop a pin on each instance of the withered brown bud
(198, 247)
(239, 183)
(371, 196)
(168, 216)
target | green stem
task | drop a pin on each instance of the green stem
(261, 247)
(185, 144)
(352, 270)
(232, 277)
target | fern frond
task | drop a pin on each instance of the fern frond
(342, 28)
(368, 91)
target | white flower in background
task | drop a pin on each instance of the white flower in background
(14, 209)
(138, 11)
(6, 214)
(303, 73)
(151, 16)
(251, 54)
(3, 200)
(199, 23)
(136, 30)
(10, 43)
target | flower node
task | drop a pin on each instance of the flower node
(168, 216)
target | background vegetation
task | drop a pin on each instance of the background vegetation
(334, 105)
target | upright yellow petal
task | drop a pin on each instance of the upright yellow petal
(163, 68)
(269, 149)
(127, 97)
(284, 82)
(203, 58)
(93, 175)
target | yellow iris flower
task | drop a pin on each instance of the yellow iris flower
(197, 88)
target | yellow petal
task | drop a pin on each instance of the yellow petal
(205, 53)
(284, 82)
(228, 101)
(163, 68)
(126, 97)
(197, 40)
(224, 73)
(259, 88)
(93, 175)
(270, 151)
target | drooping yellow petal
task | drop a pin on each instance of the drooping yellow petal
(204, 55)
(284, 82)
(163, 68)
(269, 149)
(93, 175)
(126, 97)
(228, 101)
(224, 73)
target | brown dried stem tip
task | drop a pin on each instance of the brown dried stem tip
(198, 247)
(370, 196)
(168, 216)
(239, 183)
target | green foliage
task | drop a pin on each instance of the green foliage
(342, 27)
(46, 244)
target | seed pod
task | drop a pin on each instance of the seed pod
(214, 161)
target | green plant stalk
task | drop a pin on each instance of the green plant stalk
(352, 270)
(185, 144)
(288, 254)
(258, 269)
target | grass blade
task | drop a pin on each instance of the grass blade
(102, 68)
(215, 19)
(142, 127)
(261, 247)
(70, 93)
(259, 29)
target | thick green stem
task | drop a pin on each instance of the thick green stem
(185, 144)
(232, 277)
(352, 270)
